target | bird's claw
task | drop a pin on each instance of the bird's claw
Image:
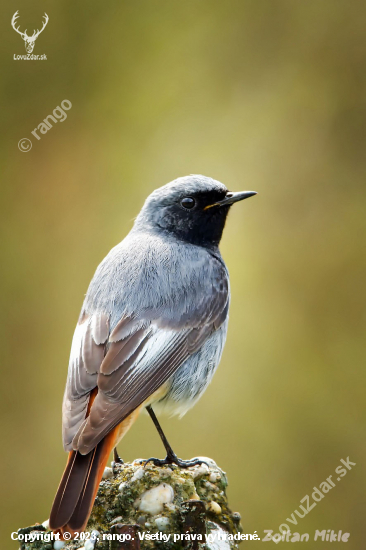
(173, 459)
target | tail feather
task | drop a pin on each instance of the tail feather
(79, 485)
(80, 516)
(70, 487)
(80, 481)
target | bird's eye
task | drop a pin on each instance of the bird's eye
(188, 203)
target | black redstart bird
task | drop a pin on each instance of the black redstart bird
(150, 333)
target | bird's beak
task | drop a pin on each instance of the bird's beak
(232, 197)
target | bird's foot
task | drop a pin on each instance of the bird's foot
(172, 458)
(117, 459)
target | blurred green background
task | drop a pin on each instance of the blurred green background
(261, 94)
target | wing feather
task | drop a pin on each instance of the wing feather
(129, 362)
(119, 352)
(85, 359)
(100, 328)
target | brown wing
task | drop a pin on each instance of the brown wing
(87, 352)
(137, 359)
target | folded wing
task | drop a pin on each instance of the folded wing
(128, 364)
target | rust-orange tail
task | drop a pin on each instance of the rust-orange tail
(78, 487)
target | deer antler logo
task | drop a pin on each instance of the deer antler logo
(29, 40)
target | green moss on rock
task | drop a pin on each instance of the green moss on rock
(126, 497)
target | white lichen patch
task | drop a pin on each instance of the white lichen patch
(162, 523)
(108, 473)
(199, 471)
(214, 476)
(122, 486)
(152, 501)
(118, 519)
(216, 539)
(139, 474)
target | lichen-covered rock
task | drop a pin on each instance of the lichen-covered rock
(156, 502)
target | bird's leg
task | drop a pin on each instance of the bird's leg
(171, 457)
(170, 453)
(117, 459)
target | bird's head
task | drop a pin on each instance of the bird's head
(192, 208)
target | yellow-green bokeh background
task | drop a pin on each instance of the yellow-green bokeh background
(261, 94)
